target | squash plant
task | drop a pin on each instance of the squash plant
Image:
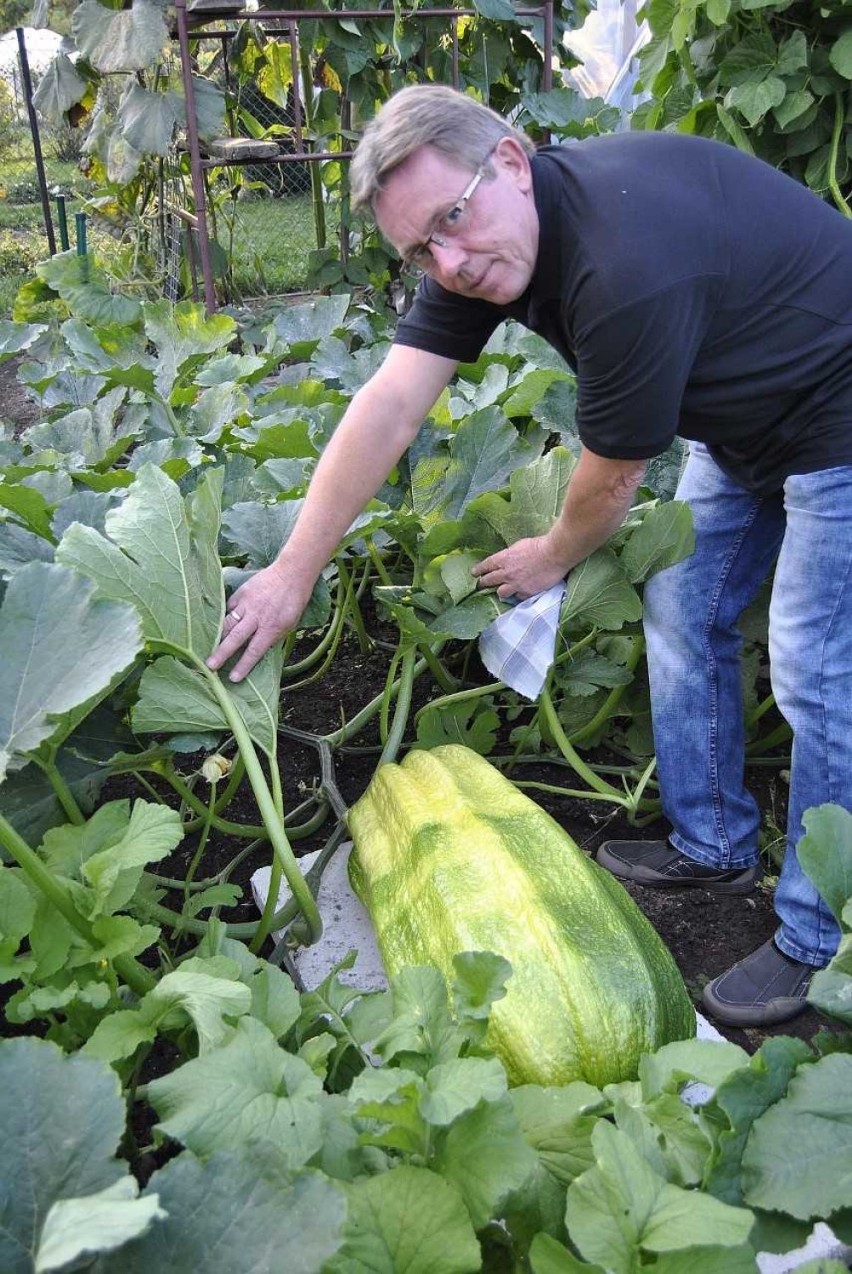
(172, 444)
(339, 1129)
(773, 79)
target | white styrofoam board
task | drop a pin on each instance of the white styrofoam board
(347, 927)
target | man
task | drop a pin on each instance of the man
(698, 292)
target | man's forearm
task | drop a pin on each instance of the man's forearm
(599, 496)
(361, 454)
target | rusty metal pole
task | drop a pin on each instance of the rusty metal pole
(548, 46)
(27, 83)
(195, 158)
(297, 96)
(454, 23)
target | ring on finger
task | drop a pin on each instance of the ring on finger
(236, 615)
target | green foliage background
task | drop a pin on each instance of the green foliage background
(774, 79)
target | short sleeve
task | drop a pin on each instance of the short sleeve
(633, 365)
(444, 323)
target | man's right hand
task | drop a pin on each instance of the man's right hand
(260, 613)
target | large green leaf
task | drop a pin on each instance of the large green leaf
(407, 1219)
(29, 801)
(237, 1213)
(302, 327)
(61, 646)
(15, 337)
(831, 988)
(816, 1117)
(215, 409)
(109, 851)
(536, 495)
(175, 699)
(60, 88)
(275, 74)
(664, 536)
(483, 452)
(85, 289)
(484, 1155)
(105, 349)
(87, 507)
(708, 1061)
(470, 618)
(621, 1209)
(87, 436)
(28, 505)
(147, 120)
(62, 1120)
(98, 1222)
(599, 593)
(19, 547)
(17, 913)
(260, 530)
(744, 1095)
(161, 557)
(247, 1090)
(209, 107)
(205, 999)
(120, 40)
(470, 724)
(840, 54)
(558, 1124)
(548, 1256)
(182, 332)
(825, 853)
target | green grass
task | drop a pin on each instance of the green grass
(268, 239)
(23, 239)
(270, 242)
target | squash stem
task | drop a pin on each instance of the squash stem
(304, 665)
(384, 713)
(837, 133)
(63, 792)
(612, 700)
(460, 696)
(563, 743)
(128, 969)
(272, 817)
(195, 803)
(403, 707)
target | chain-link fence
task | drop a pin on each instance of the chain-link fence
(23, 234)
(268, 205)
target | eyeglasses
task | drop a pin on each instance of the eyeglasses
(420, 259)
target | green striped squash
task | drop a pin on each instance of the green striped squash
(451, 857)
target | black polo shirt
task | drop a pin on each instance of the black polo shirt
(695, 291)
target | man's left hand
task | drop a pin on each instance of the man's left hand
(525, 568)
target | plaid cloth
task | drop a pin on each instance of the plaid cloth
(519, 646)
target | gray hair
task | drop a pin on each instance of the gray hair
(425, 115)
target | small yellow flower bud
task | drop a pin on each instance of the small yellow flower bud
(215, 767)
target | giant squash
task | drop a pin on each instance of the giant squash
(451, 857)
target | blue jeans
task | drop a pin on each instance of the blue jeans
(691, 612)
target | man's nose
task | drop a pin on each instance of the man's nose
(449, 256)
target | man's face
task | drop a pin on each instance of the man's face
(489, 249)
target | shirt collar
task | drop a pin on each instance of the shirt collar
(547, 282)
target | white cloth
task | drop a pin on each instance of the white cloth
(519, 646)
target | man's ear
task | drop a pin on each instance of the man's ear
(510, 157)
